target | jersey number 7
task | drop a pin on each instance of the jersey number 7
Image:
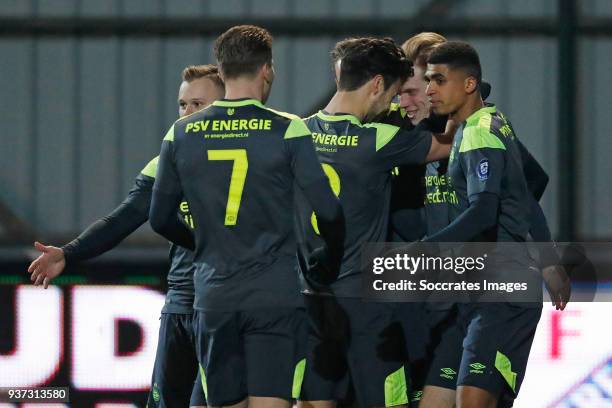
(239, 172)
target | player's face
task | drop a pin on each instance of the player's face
(382, 99)
(197, 94)
(413, 96)
(446, 89)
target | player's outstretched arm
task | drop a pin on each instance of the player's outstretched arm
(397, 147)
(100, 237)
(483, 190)
(479, 217)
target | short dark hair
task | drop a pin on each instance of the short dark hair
(209, 71)
(242, 50)
(458, 55)
(365, 57)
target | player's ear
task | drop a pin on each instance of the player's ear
(337, 69)
(378, 85)
(268, 72)
(471, 84)
(337, 73)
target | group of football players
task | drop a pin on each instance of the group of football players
(267, 214)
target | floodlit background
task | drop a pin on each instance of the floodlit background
(88, 89)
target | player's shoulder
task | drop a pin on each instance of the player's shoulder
(385, 133)
(151, 168)
(280, 115)
(295, 126)
(481, 131)
(307, 119)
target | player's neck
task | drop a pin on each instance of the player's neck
(347, 102)
(241, 88)
(472, 105)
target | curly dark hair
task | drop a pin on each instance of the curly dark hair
(365, 57)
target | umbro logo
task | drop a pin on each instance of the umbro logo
(155, 393)
(477, 368)
(448, 373)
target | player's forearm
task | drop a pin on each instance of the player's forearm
(540, 232)
(480, 216)
(330, 217)
(105, 234)
(441, 144)
(333, 232)
(537, 179)
(164, 221)
(536, 176)
(538, 225)
(408, 223)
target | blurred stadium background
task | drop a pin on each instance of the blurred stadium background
(89, 87)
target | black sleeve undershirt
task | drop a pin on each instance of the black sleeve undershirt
(107, 232)
(479, 217)
(536, 176)
(165, 222)
(315, 185)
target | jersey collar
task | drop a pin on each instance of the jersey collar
(475, 117)
(337, 118)
(233, 103)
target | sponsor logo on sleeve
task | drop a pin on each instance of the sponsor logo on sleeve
(482, 170)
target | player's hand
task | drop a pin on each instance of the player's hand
(47, 266)
(558, 285)
(451, 127)
(321, 269)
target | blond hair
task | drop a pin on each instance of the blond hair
(418, 47)
(210, 71)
